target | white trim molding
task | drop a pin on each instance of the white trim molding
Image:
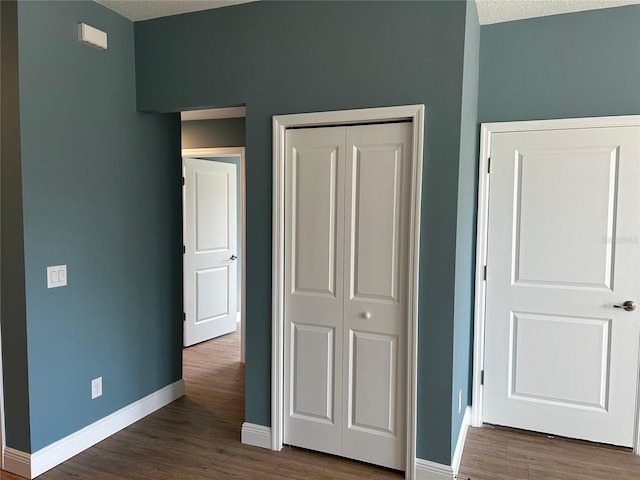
(17, 462)
(30, 466)
(256, 435)
(242, 241)
(213, 114)
(462, 437)
(415, 114)
(487, 130)
(426, 470)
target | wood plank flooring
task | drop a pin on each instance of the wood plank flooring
(198, 438)
(494, 453)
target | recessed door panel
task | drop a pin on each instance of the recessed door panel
(313, 372)
(562, 251)
(544, 356)
(373, 368)
(375, 205)
(314, 216)
(212, 211)
(212, 287)
(555, 242)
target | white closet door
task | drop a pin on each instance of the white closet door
(346, 216)
(375, 314)
(314, 237)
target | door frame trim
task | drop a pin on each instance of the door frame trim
(230, 152)
(414, 113)
(487, 130)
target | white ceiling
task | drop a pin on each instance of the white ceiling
(489, 11)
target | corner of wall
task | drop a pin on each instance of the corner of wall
(466, 219)
(12, 275)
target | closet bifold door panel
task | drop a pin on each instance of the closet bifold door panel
(375, 300)
(346, 252)
(314, 239)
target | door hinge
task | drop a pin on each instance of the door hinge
(183, 180)
(184, 317)
(184, 249)
(482, 377)
(489, 165)
(485, 273)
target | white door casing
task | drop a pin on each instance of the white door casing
(558, 231)
(210, 269)
(415, 113)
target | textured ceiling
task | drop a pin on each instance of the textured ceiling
(146, 9)
(489, 11)
(496, 11)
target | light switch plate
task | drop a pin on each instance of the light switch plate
(56, 276)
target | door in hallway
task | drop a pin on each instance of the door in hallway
(210, 269)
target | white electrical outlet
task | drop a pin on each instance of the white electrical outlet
(459, 401)
(96, 388)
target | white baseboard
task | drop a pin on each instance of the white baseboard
(30, 466)
(256, 435)
(17, 462)
(462, 436)
(426, 470)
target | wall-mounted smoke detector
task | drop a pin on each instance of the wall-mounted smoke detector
(92, 36)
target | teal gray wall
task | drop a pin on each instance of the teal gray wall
(101, 193)
(466, 226)
(96, 185)
(575, 65)
(223, 132)
(13, 323)
(290, 57)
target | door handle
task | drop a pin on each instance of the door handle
(232, 258)
(366, 315)
(629, 306)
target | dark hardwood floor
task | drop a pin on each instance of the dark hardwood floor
(198, 438)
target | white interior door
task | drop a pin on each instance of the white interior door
(563, 251)
(375, 313)
(346, 246)
(210, 269)
(314, 238)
